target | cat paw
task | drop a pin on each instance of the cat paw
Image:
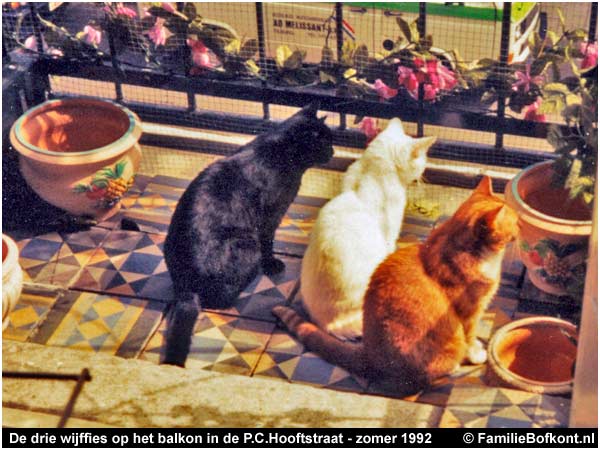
(272, 266)
(476, 353)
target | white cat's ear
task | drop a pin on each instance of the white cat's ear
(485, 186)
(421, 145)
(395, 123)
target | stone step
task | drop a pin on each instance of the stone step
(137, 393)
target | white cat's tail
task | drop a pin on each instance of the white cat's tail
(345, 354)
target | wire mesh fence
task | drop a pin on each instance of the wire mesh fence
(430, 63)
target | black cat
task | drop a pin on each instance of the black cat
(222, 230)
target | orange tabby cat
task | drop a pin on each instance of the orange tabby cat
(424, 301)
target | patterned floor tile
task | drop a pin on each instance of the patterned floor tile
(29, 312)
(56, 258)
(287, 358)
(128, 263)
(220, 342)
(100, 323)
(472, 406)
(267, 291)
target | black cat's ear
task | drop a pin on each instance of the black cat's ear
(323, 119)
(311, 109)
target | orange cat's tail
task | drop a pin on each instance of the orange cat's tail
(348, 355)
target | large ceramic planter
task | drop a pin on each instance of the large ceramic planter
(12, 277)
(553, 231)
(79, 154)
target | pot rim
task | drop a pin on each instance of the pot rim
(12, 255)
(534, 213)
(514, 379)
(129, 138)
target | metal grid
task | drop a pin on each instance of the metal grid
(305, 28)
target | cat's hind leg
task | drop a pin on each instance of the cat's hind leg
(180, 327)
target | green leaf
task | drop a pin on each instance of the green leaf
(249, 49)
(552, 105)
(120, 168)
(100, 182)
(325, 77)
(559, 88)
(80, 189)
(294, 62)
(561, 18)
(361, 57)
(349, 73)
(539, 66)
(525, 246)
(554, 38)
(405, 28)
(282, 53)
(233, 46)
(252, 67)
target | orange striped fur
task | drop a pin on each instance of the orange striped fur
(424, 301)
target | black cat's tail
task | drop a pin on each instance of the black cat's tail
(348, 355)
(180, 327)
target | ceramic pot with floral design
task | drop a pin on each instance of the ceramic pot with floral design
(553, 231)
(79, 154)
(12, 277)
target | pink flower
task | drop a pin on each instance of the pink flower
(92, 35)
(158, 33)
(200, 55)
(408, 79)
(168, 7)
(531, 112)
(122, 10)
(31, 44)
(369, 127)
(525, 80)
(447, 79)
(383, 90)
(590, 54)
(429, 92)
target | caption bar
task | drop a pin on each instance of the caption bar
(281, 438)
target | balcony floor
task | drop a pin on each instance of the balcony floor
(105, 290)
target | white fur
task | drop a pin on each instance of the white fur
(357, 229)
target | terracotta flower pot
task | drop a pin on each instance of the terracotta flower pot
(553, 231)
(12, 277)
(536, 354)
(79, 154)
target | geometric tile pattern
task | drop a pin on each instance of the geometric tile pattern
(220, 342)
(128, 263)
(120, 289)
(474, 406)
(100, 323)
(287, 358)
(29, 312)
(56, 258)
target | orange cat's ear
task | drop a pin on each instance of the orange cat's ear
(485, 187)
(495, 217)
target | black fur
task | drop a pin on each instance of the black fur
(222, 230)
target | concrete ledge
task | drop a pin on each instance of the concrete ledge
(136, 393)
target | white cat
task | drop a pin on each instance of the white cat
(356, 230)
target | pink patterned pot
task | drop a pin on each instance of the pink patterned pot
(79, 154)
(553, 231)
